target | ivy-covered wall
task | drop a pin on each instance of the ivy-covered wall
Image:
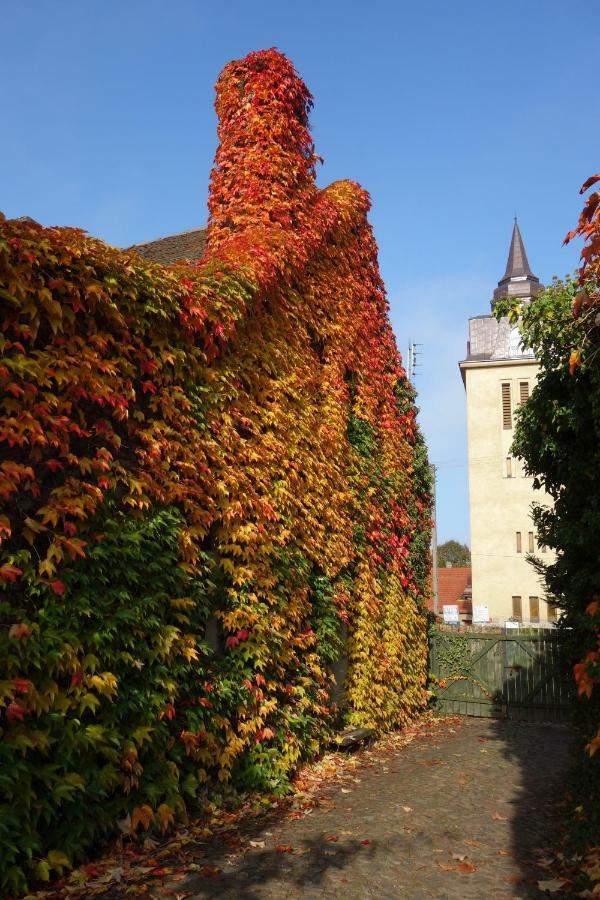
(208, 475)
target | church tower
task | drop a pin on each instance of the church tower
(498, 376)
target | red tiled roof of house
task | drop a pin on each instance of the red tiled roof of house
(452, 584)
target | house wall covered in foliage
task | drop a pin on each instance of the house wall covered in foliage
(208, 474)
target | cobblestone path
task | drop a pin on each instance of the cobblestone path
(468, 809)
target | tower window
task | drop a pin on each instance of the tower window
(534, 609)
(508, 467)
(551, 612)
(506, 406)
(531, 542)
(519, 547)
(517, 612)
(523, 391)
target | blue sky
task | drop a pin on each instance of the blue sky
(453, 115)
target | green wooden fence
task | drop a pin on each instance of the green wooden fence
(500, 674)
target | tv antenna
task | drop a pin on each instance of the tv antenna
(413, 360)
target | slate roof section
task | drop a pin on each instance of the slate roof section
(490, 339)
(187, 245)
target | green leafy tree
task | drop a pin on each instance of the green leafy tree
(455, 553)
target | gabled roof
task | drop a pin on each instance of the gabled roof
(175, 247)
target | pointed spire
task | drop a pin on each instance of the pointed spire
(518, 279)
(517, 263)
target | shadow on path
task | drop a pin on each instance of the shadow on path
(542, 755)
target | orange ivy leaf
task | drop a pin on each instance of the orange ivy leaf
(142, 815)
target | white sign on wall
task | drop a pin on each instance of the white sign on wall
(451, 616)
(509, 624)
(481, 615)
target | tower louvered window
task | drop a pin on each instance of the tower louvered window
(523, 391)
(506, 406)
(534, 609)
(517, 609)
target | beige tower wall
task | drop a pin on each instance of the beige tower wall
(500, 497)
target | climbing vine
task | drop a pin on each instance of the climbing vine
(453, 653)
(210, 473)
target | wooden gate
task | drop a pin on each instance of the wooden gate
(507, 675)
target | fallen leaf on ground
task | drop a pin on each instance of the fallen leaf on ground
(346, 791)
(552, 885)
(407, 808)
(499, 818)
(459, 856)
(473, 843)
(447, 867)
(366, 841)
(331, 837)
(209, 871)
(256, 843)
(466, 868)
(284, 848)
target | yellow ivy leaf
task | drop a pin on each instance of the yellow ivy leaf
(42, 871)
(57, 860)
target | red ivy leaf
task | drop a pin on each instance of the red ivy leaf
(20, 631)
(588, 183)
(10, 573)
